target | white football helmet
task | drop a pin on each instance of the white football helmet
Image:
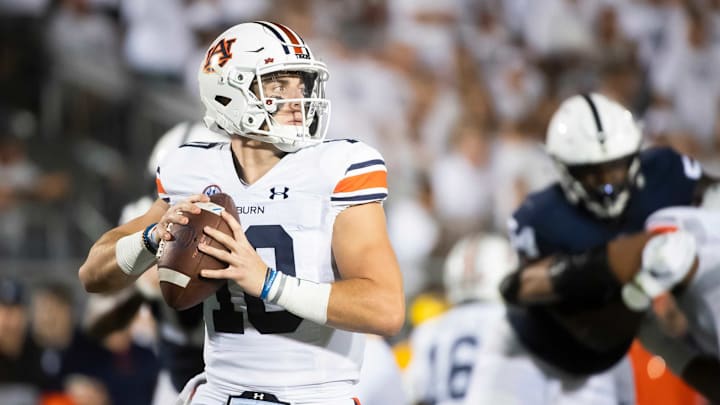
(231, 86)
(587, 134)
(475, 267)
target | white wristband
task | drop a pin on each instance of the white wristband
(131, 255)
(306, 299)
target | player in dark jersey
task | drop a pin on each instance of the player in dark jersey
(567, 346)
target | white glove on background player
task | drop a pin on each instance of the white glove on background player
(666, 260)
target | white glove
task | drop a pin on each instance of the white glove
(666, 260)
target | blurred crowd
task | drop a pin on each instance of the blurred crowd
(456, 95)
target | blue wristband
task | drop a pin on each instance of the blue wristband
(270, 275)
(149, 244)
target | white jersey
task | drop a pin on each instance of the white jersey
(700, 301)
(380, 378)
(288, 216)
(444, 350)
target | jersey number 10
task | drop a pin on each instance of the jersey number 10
(228, 320)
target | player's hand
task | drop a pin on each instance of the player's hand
(245, 266)
(177, 214)
(667, 260)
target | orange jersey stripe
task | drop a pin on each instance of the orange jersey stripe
(376, 179)
(293, 38)
(663, 229)
(160, 188)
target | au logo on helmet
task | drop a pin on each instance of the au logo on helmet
(222, 48)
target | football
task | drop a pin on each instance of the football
(180, 261)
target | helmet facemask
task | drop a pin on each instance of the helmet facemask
(279, 101)
(264, 98)
(602, 188)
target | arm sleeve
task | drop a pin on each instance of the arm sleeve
(523, 238)
(678, 174)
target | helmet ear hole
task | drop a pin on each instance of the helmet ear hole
(223, 100)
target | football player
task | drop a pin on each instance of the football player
(444, 348)
(309, 263)
(569, 347)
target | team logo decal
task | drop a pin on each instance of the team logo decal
(277, 192)
(212, 189)
(222, 48)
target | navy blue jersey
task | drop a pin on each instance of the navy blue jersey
(546, 224)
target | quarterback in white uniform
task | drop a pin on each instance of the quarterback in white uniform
(309, 263)
(444, 349)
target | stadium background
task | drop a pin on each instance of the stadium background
(456, 94)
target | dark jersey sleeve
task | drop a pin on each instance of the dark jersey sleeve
(675, 174)
(527, 227)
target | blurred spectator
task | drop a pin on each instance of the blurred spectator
(84, 45)
(686, 80)
(246, 10)
(462, 184)
(414, 232)
(559, 27)
(21, 375)
(22, 182)
(53, 329)
(611, 44)
(519, 167)
(435, 113)
(621, 81)
(516, 87)
(645, 23)
(430, 27)
(22, 54)
(158, 39)
(484, 34)
(128, 370)
(77, 33)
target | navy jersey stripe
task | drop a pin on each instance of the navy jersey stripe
(365, 164)
(361, 197)
(201, 145)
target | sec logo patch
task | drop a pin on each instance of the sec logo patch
(212, 189)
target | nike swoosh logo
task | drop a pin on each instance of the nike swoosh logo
(259, 49)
